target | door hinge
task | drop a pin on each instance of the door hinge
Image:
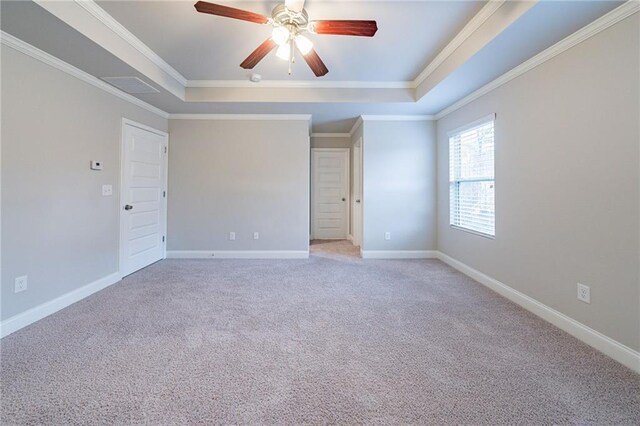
(165, 149)
(163, 238)
(164, 194)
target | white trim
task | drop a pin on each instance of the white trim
(357, 219)
(618, 14)
(355, 126)
(472, 232)
(399, 254)
(474, 123)
(349, 237)
(301, 84)
(476, 22)
(23, 319)
(145, 127)
(121, 225)
(110, 22)
(238, 254)
(308, 203)
(303, 117)
(32, 51)
(398, 117)
(330, 135)
(416, 117)
(591, 337)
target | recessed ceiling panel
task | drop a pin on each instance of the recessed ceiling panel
(207, 47)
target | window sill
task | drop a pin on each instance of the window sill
(471, 231)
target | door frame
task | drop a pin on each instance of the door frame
(356, 219)
(127, 122)
(313, 185)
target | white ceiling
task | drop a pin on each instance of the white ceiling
(207, 47)
(544, 24)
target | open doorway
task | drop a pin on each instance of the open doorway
(331, 199)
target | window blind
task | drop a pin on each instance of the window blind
(471, 178)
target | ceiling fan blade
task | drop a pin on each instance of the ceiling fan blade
(315, 63)
(350, 28)
(294, 5)
(230, 12)
(257, 55)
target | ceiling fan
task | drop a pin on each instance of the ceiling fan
(289, 21)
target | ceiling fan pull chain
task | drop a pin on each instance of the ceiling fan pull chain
(291, 43)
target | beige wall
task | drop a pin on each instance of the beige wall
(567, 183)
(241, 176)
(57, 228)
(399, 163)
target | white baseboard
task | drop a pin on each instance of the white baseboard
(349, 237)
(399, 254)
(612, 348)
(237, 254)
(16, 322)
(597, 340)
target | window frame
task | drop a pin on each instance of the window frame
(456, 182)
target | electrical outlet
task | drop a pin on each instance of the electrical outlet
(20, 284)
(584, 293)
(256, 236)
(387, 235)
(107, 190)
(232, 236)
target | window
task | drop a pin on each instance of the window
(471, 177)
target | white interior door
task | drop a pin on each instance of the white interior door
(356, 209)
(142, 197)
(330, 183)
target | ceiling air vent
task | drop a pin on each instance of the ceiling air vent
(132, 85)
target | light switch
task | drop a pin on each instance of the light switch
(96, 165)
(107, 190)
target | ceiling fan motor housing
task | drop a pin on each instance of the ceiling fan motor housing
(285, 17)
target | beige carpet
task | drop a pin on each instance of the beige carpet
(318, 341)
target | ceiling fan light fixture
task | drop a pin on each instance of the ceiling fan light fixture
(284, 51)
(289, 19)
(304, 44)
(280, 35)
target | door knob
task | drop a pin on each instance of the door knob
(357, 201)
(344, 199)
(128, 207)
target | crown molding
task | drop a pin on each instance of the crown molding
(398, 117)
(32, 51)
(301, 84)
(355, 126)
(110, 22)
(260, 117)
(364, 118)
(616, 15)
(476, 22)
(330, 135)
